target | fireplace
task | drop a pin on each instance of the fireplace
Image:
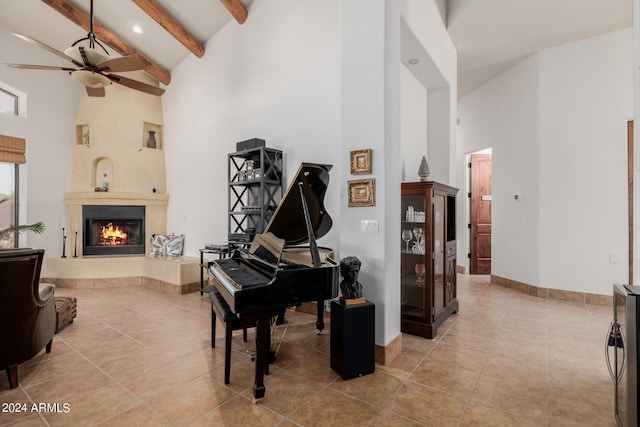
(113, 230)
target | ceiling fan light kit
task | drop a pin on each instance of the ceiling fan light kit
(90, 79)
(93, 67)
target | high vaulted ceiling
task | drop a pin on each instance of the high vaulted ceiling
(490, 35)
(45, 21)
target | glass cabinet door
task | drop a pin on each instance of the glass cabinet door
(439, 247)
(413, 260)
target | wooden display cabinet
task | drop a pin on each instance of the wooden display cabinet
(428, 259)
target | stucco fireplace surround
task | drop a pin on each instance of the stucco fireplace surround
(113, 164)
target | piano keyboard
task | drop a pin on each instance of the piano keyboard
(241, 273)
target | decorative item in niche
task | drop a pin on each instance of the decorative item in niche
(423, 170)
(362, 192)
(361, 162)
(151, 143)
(105, 185)
(103, 188)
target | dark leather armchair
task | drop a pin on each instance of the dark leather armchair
(27, 310)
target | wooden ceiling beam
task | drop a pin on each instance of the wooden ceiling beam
(103, 34)
(236, 9)
(173, 27)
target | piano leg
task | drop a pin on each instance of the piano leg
(262, 350)
(320, 321)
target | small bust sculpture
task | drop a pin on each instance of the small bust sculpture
(349, 269)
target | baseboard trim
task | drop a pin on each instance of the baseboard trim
(386, 353)
(557, 294)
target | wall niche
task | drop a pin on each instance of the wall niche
(103, 178)
(82, 135)
(152, 135)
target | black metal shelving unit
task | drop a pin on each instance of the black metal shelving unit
(255, 189)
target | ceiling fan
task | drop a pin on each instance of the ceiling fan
(93, 68)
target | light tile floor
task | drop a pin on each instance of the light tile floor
(137, 357)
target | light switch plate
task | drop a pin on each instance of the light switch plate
(369, 226)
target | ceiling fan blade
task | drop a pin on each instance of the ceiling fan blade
(95, 91)
(48, 48)
(134, 84)
(39, 67)
(125, 63)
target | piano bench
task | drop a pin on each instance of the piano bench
(220, 308)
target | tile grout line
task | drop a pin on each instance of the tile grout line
(504, 314)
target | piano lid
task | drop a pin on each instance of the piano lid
(288, 220)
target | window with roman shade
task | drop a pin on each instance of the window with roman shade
(12, 150)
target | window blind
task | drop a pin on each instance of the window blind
(12, 150)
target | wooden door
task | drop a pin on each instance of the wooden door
(630, 196)
(480, 214)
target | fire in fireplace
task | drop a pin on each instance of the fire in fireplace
(113, 230)
(114, 235)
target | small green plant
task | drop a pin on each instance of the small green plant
(37, 227)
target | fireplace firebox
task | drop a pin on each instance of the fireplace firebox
(113, 230)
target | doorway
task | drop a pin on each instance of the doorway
(480, 212)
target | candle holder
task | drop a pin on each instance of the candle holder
(64, 241)
(75, 246)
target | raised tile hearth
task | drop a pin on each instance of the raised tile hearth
(170, 275)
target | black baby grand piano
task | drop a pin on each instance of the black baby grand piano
(284, 266)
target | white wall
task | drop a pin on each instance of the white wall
(414, 124)
(364, 123)
(557, 124)
(275, 77)
(586, 99)
(52, 97)
(373, 116)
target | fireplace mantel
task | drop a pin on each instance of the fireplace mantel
(116, 198)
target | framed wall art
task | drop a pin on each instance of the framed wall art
(362, 192)
(361, 162)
